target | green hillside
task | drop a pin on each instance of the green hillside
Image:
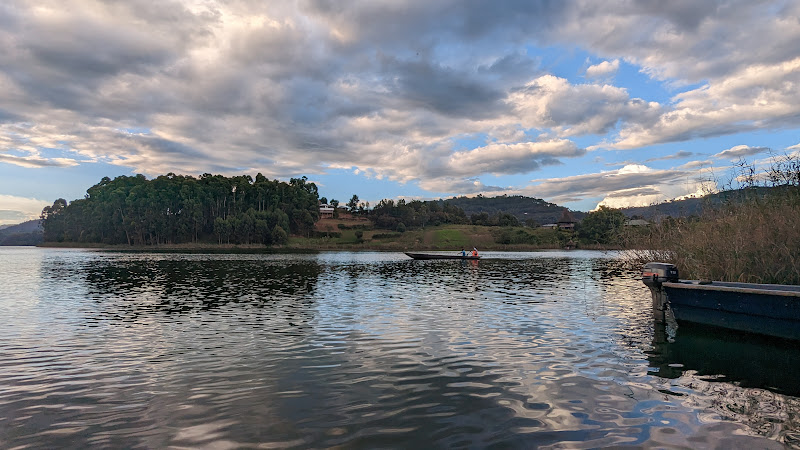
(523, 208)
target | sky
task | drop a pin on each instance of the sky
(579, 102)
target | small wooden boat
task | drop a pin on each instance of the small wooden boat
(440, 256)
(769, 309)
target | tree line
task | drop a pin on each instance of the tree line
(603, 226)
(174, 209)
(393, 215)
(529, 210)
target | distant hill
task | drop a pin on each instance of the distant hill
(695, 206)
(545, 212)
(523, 208)
(26, 233)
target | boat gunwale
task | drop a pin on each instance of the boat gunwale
(757, 289)
(431, 256)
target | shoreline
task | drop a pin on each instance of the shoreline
(258, 248)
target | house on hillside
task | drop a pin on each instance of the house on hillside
(567, 221)
(636, 223)
(325, 211)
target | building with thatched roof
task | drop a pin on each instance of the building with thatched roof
(567, 220)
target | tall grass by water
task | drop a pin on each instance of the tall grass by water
(752, 235)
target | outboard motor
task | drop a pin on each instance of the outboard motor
(653, 275)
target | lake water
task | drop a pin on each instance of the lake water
(369, 350)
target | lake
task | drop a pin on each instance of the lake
(368, 350)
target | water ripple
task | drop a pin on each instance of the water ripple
(360, 350)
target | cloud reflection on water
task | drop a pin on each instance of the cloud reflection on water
(357, 349)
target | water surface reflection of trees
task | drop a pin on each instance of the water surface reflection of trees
(128, 288)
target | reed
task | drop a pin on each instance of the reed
(753, 236)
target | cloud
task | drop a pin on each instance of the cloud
(511, 158)
(680, 155)
(603, 69)
(552, 102)
(441, 89)
(7, 216)
(696, 164)
(15, 209)
(461, 185)
(740, 151)
(631, 185)
(37, 162)
(745, 83)
(685, 40)
(297, 88)
(757, 97)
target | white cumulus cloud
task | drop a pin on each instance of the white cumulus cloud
(740, 151)
(603, 69)
(14, 209)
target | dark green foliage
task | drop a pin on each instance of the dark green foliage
(507, 220)
(415, 214)
(495, 211)
(520, 236)
(342, 226)
(500, 219)
(385, 235)
(352, 205)
(602, 226)
(532, 223)
(481, 219)
(326, 234)
(525, 209)
(173, 209)
(279, 236)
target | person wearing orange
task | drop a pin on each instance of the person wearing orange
(474, 251)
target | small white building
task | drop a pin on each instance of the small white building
(325, 211)
(637, 223)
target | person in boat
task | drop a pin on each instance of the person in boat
(463, 253)
(474, 251)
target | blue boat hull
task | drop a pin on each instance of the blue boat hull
(772, 310)
(440, 256)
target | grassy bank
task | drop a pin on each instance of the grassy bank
(357, 236)
(444, 237)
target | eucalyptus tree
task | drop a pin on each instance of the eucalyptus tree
(178, 208)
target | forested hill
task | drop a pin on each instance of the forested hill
(25, 233)
(523, 208)
(174, 209)
(675, 208)
(695, 206)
